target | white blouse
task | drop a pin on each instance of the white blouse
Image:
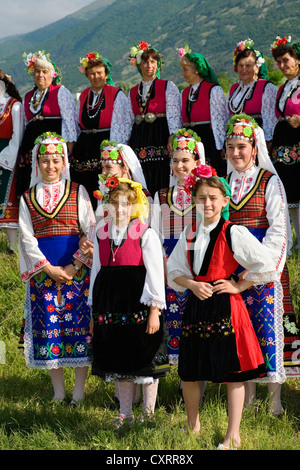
(173, 106)
(247, 251)
(154, 287)
(66, 103)
(269, 118)
(275, 239)
(48, 196)
(120, 128)
(8, 156)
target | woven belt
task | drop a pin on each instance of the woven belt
(193, 124)
(148, 117)
(94, 131)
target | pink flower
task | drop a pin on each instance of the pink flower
(181, 52)
(203, 171)
(133, 61)
(82, 69)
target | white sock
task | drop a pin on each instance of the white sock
(126, 389)
(57, 377)
(80, 378)
(149, 397)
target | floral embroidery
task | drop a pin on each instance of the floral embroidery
(207, 329)
(122, 318)
(288, 155)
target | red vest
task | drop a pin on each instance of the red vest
(6, 129)
(110, 93)
(129, 253)
(157, 104)
(63, 220)
(254, 104)
(222, 263)
(292, 105)
(50, 107)
(201, 108)
(251, 210)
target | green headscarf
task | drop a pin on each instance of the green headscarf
(202, 66)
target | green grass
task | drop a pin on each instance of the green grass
(29, 422)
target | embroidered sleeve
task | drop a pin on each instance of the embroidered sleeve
(8, 156)
(69, 129)
(120, 130)
(173, 107)
(269, 118)
(154, 287)
(218, 115)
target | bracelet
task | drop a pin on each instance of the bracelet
(75, 266)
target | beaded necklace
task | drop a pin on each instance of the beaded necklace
(143, 104)
(97, 106)
(240, 106)
(37, 99)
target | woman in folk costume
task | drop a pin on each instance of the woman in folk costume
(127, 294)
(173, 209)
(203, 106)
(49, 106)
(253, 94)
(103, 114)
(286, 147)
(54, 213)
(258, 202)
(218, 342)
(11, 133)
(155, 110)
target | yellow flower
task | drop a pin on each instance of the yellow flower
(270, 299)
(32, 297)
(86, 292)
(48, 282)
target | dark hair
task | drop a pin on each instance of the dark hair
(243, 54)
(151, 53)
(284, 49)
(96, 63)
(11, 89)
(212, 182)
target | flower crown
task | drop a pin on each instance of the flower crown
(50, 144)
(136, 52)
(201, 171)
(185, 140)
(110, 152)
(281, 41)
(90, 57)
(31, 58)
(241, 127)
(248, 44)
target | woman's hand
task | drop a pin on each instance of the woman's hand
(57, 273)
(225, 286)
(294, 121)
(86, 247)
(153, 322)
(202, 290)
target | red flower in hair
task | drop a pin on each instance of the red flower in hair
(112, 182)
(282, 41)
(91, 56)
(143, 45)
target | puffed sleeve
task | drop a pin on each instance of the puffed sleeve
(87, 222)
(269, 119)
(95, 269)
(31, 259)
(154, 287)
(121, 122)
(8, 156)
(69, 129)
(178, 264)
(173, 107)
(218, 115)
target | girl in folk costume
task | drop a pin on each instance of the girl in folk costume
(258, 202)
(120, 160)
(102, 113)
(155, 110)
(217, 341)
(11, 132)
(203, 106)
(173, 209)
(286, 143)
(253, 94)
(128, 327)
(49, 106)
(54, 213)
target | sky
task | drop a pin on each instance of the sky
(24, 16)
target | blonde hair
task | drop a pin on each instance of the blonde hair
(123, 189)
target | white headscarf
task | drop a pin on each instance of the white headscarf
(46, 139)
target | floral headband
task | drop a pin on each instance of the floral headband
(206, 171)
(136, 52)
(108, 183)
(248, 44)
(31, 58)
(90, 58)
(241, 126)
(185, 140)
(50, 144)
(285, 40)
(109, 151)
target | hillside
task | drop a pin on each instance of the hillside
(111, 27)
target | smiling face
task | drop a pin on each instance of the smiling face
(97, 76)
(189, 73)
(209, 202)
(240, 153)
(148, 68)
(288, 65)
(42, 77)
(115, 169)
(120, 209)
(247, 69)
(182, 164)
(51, 167)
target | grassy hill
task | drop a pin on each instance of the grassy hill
(111, 27)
